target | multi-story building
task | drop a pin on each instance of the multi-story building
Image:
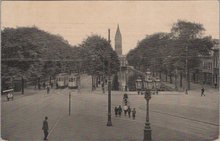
(216, 65)
(207, 70)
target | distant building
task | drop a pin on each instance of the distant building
(208, 72)
(216, 64)
(123, 61)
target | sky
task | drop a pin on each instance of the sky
(76, 20)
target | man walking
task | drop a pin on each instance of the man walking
(202, 91)
(129, 111)
(133, 113)
(48, 89)
(45, 128)
(119, 110)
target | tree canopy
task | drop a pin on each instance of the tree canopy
(168, 51)
(97, 53)
(31, 52)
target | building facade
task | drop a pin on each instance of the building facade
(216, 65)
(207, 70)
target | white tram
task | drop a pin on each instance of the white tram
(73, 81)
(62, 80)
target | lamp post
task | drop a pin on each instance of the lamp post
(109, 123)
(148, 85)
(157, 84)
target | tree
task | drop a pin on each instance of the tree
(167, 52)
(189, 44)
(149, 52)
(31, 52)
(115, 83)
(97, 53)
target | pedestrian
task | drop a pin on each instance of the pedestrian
(103, 87)
(133, 113)
(45, 128)
(202, 91)
(129, 111)
(125, 108)
(215, 85)
(44, 85)
(125, 96)
(186, 92)
(119, 110)
(48, 89)
(116, 111)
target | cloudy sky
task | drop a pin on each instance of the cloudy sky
(76, 20)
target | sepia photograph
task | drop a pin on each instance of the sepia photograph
(110, 70)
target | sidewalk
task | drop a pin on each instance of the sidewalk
(193, 87)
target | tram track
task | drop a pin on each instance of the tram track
(183, 117)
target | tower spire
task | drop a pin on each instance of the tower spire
(118, 41)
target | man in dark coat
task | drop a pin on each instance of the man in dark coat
(133, 113)
(202, 91)
(45, 128)
(129, 111)
(119, 110)
(48, 89)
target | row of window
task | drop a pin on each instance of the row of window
(215, 62)
(207, 65)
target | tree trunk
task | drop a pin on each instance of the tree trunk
(166, 76)
(188, 79)
(181, 79)
(171, 79)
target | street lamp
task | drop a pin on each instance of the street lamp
(148, 74)
(148, 85)
(138, 84)
(157, 84)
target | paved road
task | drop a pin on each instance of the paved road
(173, 116)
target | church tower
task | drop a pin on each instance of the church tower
(118, 42)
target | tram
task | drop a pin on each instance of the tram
(62, 80)
(73, 81)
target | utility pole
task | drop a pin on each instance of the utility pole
(109, 123)
(187, 72)
(22, 85)
(103, 78)
(69, 103)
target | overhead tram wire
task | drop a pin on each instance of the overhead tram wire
(40, 60)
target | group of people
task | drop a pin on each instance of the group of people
(126, 109)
